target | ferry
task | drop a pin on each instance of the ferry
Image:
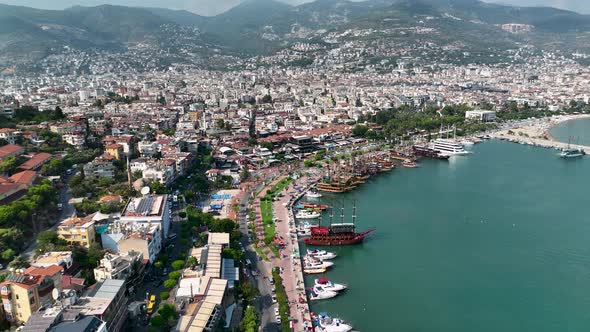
(572, 153)
(307, 214)
(448, 147)
(425, 151)
(325, 323)
(313, 194)
(328, 285)
(319, 293)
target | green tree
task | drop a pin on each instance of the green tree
(158, 264)
(8, 254)
(192, 262)
(164, 296)
(9, 165)
(158, 188)
(177, 265)
(174, 275)
(157, 321)
(220, 124)
(360, 130)
(249, 322)
(267, 99)
(170, 283)
(245, 173)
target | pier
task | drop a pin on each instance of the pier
(537, 141)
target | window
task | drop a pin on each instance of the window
(16, 296)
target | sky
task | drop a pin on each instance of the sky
(213, 7)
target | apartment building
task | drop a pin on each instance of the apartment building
(78, 230)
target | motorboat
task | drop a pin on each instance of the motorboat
(326, 284)
(313, 194)
(311, 262)
(314, 270)
(304, 214)
(319, 293)
(325, 323)
(321, 254)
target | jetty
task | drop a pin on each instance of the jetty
(537, 141)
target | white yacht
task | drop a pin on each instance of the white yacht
(326, 284)
(319, 293)
(321, 254)
(303, 214)
(313, 263)
(449, 147)
(314, 270)
(313, 194)
(327, 324)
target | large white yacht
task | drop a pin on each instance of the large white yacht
(448, 147)
(319, 293)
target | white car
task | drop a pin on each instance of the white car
(274, 299)
(278, 318)
(277, 312)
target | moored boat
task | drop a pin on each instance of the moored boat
(425, 151)
(337, 234)
(321, 254)
(409, 163)
(313, 194)
(307, 214)
(318, 292)
(325, 323)
(314, 270)
(328, 285)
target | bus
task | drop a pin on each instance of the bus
(151, 305)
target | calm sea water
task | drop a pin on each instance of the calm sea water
(495, 241)
(579, 129)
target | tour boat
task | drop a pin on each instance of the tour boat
(314, 270)
(572, 153)
(321, 254)
(313, 194)
(303, 214)
(466, 142)
(337, 234)
(448, 147)
(425, 151)
(324, 323)
(328, 285)
(319, 293)
(409, 164)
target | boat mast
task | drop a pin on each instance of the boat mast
(331, 216)
(342, 215)
(354, 212)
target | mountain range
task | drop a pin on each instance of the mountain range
(263, 26)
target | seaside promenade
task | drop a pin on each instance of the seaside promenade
(289, 257)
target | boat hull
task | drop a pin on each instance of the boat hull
(334, 242)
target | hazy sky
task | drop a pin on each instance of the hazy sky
(212, 7)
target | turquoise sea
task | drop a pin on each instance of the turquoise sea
(495, 241)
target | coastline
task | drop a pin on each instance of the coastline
(537, 132)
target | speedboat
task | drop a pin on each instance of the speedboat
(325, 323)
(303, 214)
(314, 270)
(326, 284)
(321, 254)
(319, 293)
(313, 194)
(311, 262)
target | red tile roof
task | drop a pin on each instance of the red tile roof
(44, 271)
(26, 177)
(36, 161)
(10, 149)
